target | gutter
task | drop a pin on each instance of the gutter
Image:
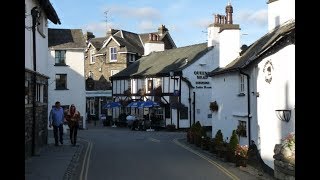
(249, 110)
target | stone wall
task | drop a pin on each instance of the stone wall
(41, 124)
(284, 166)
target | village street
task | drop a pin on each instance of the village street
(119, 153)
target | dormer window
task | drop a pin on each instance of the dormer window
(113, 54)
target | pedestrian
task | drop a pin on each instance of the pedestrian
(56, 119)
(73, 118)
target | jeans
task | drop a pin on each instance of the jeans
(55, 133)
(73, 133)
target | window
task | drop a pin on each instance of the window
(150, 85)
(61, 81)
(242, 128)
(242, 83)
(92, 57)
(131, 58)
(90, 74)
(26, 92)
(113, 72)
(143, 84)
(129, 83)
(113, 54)
(91, 107)
(60, 57)
(184, 113)
(39, 92)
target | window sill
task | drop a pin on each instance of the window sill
(60, 65)
(62, 89)
(241, 94)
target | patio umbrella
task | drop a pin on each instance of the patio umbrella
(111, 105)
(135, 104)
(149, 104)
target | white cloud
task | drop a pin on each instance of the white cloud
(146, 26)
(132, 12)
(201, 23)
(257, 17)
(98, 29)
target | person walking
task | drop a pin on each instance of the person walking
(73, 118)
(56, 119)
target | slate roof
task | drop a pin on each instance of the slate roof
(65, 38)
(98, 42)
(129, 41)
(256, 49)
(50, 11)
(161, 63)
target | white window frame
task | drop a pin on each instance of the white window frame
(39, 92)
(242, 84)
(112, 51)
(92, 57)
(62, 60)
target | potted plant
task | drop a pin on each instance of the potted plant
(127, 92)
(241, 153)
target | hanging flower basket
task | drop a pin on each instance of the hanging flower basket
(213, 106)
(127, 92)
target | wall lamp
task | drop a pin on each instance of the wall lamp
(284, 114)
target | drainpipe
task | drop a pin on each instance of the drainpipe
(194, 107)
(249, 117)
(34, 13)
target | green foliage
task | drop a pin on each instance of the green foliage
(233, 141)
(218, 139)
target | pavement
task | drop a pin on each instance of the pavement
(60, 162)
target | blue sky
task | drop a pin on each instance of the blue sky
(186, 20)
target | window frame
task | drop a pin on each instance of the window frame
(241, 84)
(66, 81)
(59, 63)
(92, 57)
(112, 54)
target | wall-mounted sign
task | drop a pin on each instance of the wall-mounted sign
(267, 70)
(202, 84)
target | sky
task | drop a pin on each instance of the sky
(186, 20)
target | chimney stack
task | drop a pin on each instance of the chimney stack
(111, 32)
(162, 29)
(229, 11)
(88, 35)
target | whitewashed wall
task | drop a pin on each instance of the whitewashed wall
(155, 46)
(231, 106)
(41, 42)
(75, 81)
(280, 12)
(278, 94)
(229, 46)
(206, 63)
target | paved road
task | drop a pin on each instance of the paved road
(122, 154)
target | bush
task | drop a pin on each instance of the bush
(232, 145)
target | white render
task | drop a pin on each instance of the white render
(41, 41)
(279, 12)
(278, 94)
(231, 106)
(153, 47)
(76, 93)
(229, 46)
(202, 91)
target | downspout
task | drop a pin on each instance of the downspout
(194, 107)
(249, 111)
(34, 13)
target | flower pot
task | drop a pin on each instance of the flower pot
(241, 161)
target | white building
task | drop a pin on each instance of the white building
(253, 88)
(66, 69)
(37, 14)
(182, 74)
